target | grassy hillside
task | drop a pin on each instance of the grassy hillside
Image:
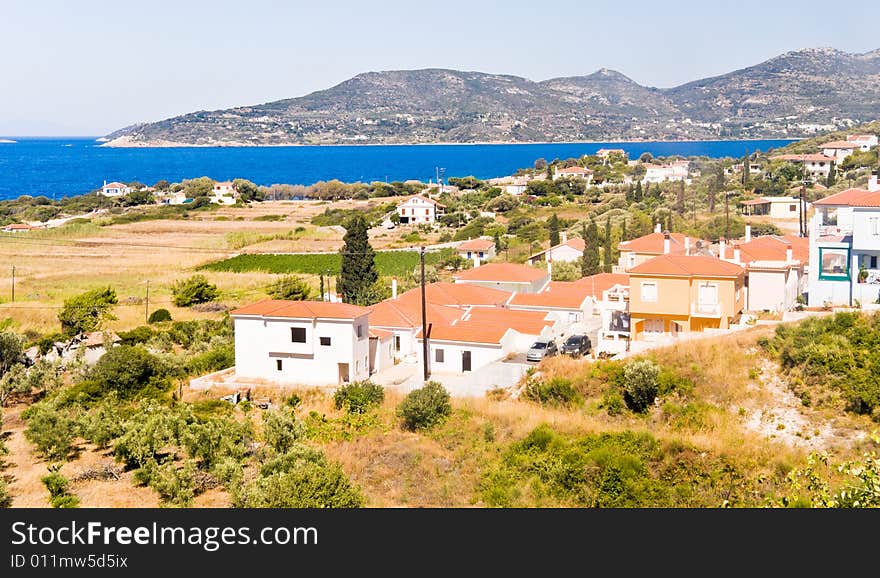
(811, 145)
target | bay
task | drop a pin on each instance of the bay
(59, 167)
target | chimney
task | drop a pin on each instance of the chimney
(657, 228)
(789, 255)
(476, 261)
(687, 245)
(748, 233)
(394, 287)
(550, 268)
(722, 247)
(736, 254)
(563, 237)
(666, 243)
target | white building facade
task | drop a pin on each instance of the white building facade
(418, 210)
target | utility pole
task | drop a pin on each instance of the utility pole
(147, 304)
(425, 328)
(13, 283)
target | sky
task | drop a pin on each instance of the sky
(89, 67)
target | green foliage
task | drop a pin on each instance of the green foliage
(281, 429)
(136, 336)
(640, 384)
(590, 259)
(214, 439)
(11, 351)
(289, 287)
(556, 391)
(5, 498)
(247, 191)
(304, 484)
(553, 228)
(127, 370)
(51, 430)
(358, 271)
(14, 382)
(149, 432)
(59, 493)
(834, 355)
(358, 396)
(388, 263)
(159, 315)
(612, 401)
(87, 311)
(103, 423)
(565, 271)
(198, 187)
(424, 408)
(194, 290)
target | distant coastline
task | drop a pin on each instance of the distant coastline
(7, 141)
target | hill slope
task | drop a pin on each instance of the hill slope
(791, 95)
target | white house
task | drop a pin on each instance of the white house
(16, 228)
(381, 349)
(573, 172)
(864, 141)
(171, 198)
(605, 153)
(568, 250)
(873, 183)
(477, 250)
(562, 301)
(302, 342)
(845, 249)
(675, 171)
(839, 149)
(402, 318)
(114, 189)
(223, 193)
(816, 166)
(506, 277)
(775, 207)
(418, 209)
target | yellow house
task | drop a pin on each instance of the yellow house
(679, 293)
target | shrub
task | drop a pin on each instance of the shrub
(213, 439)
(305, 484)
(148, 432)
(289, 287)
(612, 401)
(5, 498)
(281, 429)
(294, 401)
(557, 391)
(102, 424)
(51, 430)
(136, 336)
(640, 384)
(194, 290)
(425, 407)
(174, 485)
(87, 311)
(358, 396)
(59, 495)
(127, 370)
(159, 315)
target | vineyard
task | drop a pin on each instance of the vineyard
(387, 262)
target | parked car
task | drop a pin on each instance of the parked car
(541, 349)
(576, 345)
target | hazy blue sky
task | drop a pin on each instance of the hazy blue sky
(92, 66)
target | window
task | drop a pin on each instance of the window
(874, 225)
(653, 326)
(426, 211)
(631, 260)
(325, 341)
(792, 208)
(298, 334)
(438, 355)
(834, 263)
(397, 343)
(279, 364)
(360, 331)
(649, 291)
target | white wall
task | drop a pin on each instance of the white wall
(564, 253)
(481, 355)
(864, 238)
(773, 290)
(260, 343)
(782, 210)
(382, 352)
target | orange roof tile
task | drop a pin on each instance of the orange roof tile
(469, 332)
(380, 333)
(575, 171)
(852, 198)
(804, 157)
(840, 144)
(527, 322)
(457, 294)
(557, 295)
(408, 313)
(114, 185)
(576, 243)
(301, 310)
(598, 283)
(652, 243)
(502, 272)
(477, 245)
(687, 266)
(423, 198)
(770, 248)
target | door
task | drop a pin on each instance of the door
(465, 360)
(708, 296)
(343, 373)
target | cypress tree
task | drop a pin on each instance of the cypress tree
(358, 263)
(623, 236)
(829, 182)
(553, 226)
(590, 263)
(745, 171)
(497, 239)
(679, 198)
(637, 194)
(606, 257)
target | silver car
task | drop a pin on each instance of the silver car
(541, 349)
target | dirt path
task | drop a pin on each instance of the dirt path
(784, 418)
(23, 468)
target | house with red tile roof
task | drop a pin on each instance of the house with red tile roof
(636, 251)
(302, 342)
(565, 301)
(845, 249)
(419, 209)
(114, 189)
(460, 295)
(573, 172)
(816, 165)
(505, 277)
(671, 294)
(477, 250)
(568, 250)
(864, 141)
(403, 319)
(839, 149)
(775, 207)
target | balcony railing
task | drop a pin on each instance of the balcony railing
(705, 310)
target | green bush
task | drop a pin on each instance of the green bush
(87, 311)
(136, 336)
(176, 486)
(194, 290)
(289, 287)
(281, 429)
(59, 494)
(127, 370)
(159, 315)
(425, 407)
(305, 484)
(5, 498)
(557, 391)
(293, 401)
(612, 401)
(214, 439)
(149, 432)
(51, 430)
(640, 384)
(102, 424)
(359, 396)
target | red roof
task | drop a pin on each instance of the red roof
(477, 245)
(770, 248)
(426, 199)
(652, 244)
(457, 295)
(408, 313)
(840, 144)
(804, 157)
(576, 243)
(574, 171)
(488, 325)
(557, 295)
(598, 283)
(687, 266)
(380, 333)
(115, 185)
(852, 198)
(301, 310)
(502, 273)
(469, 333)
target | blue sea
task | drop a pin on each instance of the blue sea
(59, 167)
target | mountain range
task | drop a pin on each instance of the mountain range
(793, 95)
